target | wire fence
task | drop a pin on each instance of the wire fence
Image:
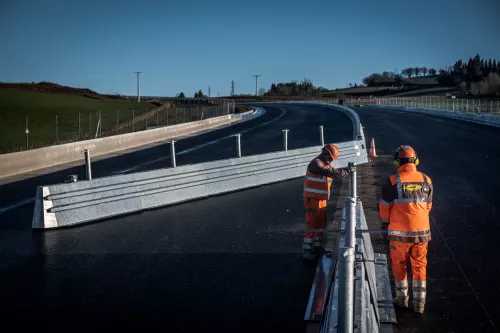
(71, 127)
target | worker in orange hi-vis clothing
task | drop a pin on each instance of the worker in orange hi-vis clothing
(317, 185)
(405, 204)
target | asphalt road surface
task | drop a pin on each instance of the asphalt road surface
(463, 160)
(230, 263)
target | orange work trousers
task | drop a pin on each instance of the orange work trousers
(316, 217)
(416, 252)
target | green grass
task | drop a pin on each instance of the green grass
(41, 110)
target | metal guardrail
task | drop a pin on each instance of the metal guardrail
(351, 291)
(356, 123)
(475, 117)
(84, 201)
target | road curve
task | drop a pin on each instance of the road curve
(228, 263)
(464, 263)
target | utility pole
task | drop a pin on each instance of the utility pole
(209, 92)
(232, 88)
(256, 84)
(138, 87)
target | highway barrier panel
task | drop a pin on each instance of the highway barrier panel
(63, 205)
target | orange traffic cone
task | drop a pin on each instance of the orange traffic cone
(372, 152)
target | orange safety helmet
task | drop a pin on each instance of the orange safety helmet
(333, 150)
(407, 153)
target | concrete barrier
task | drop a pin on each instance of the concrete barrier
(74, 203)
(21, 162)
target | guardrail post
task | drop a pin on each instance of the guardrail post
(88, 168)
(321, 137)
(172, 154)
(350, 205)
(346, 271)
(346, 290)
(285, 140)
(354, 192)
(238, 145)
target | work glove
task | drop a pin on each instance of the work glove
(385, 224)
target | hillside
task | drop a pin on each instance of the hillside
(42, 106)
(413, 86)
(49, 87)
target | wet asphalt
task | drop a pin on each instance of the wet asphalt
(463, 160)
(230, 263)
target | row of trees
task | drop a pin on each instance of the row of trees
(198, 94)
(418, 71)
(294, 88)
(477, 76)
(391, 78)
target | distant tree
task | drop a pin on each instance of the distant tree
(483, 87)
(424, 70)
(490, 65)
(199, 94)
(463, 87)
(495, 66)
(432, 71)
(493, 80)
(262, 91)
(398, 80)
(416, 70)
(408, 72)
(474, 88)
(181, 95)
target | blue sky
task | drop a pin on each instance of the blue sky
(192, 44)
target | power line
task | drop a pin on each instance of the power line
(138, 87)
(256, 83)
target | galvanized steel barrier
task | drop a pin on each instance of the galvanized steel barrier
(84, 201)
(351, 290)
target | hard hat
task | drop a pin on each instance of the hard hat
(407, 154)
(333, 150)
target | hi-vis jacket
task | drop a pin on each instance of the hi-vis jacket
(318, 180)
(406, 202)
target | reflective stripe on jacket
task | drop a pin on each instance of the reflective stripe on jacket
(406, 202)
(317, 186)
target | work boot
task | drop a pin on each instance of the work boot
(401, 301)
(419, 305)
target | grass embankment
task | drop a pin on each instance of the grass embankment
(42, 108)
